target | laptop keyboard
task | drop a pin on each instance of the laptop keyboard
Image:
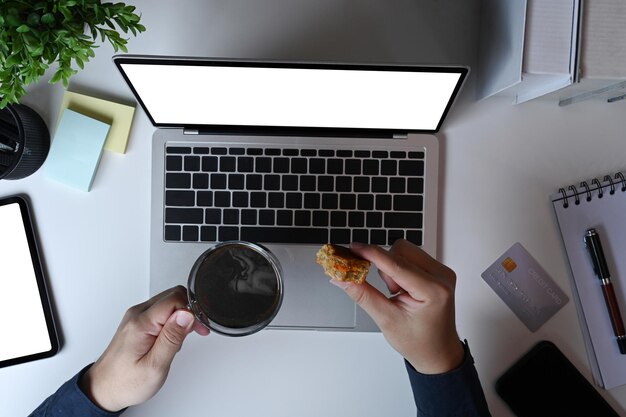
(292, 195)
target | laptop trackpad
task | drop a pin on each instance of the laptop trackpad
(310, 300)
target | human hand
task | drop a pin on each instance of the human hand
(418, 319)
(135, 364)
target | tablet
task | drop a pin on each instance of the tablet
(26, 323)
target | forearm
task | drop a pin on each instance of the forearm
(70, 401)
(454, 393)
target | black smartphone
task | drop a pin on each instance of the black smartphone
(26, 323)
(545, 383)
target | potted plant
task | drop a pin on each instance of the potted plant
(35, 34)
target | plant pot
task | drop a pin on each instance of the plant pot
(24, 142)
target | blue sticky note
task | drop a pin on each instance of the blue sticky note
(76, 149)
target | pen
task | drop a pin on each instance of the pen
(601, 269)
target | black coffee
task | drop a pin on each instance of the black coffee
(237, 287)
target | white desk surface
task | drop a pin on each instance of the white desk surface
(499, 164)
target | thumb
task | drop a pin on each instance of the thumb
(171, 337)
(374, 302)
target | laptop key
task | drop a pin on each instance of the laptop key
(219, 151)
(411, 168)
(248, 216)
(361, 185)
(284, 218)
(330, 201)
(192, 163)
(213, 216)
(208, 233)
(221, 199)
(393, 235)
(230, 216)
(180, 198)
(275, 200)
(236, 151)
(204, 198)
(293, 200)
(414, 236)
(290, 183)
(181, 180)
(209, 163)
(240, 199)
(172, 233)
(254, 151)
(302, 218)
(415, 185)
(200, 181)
(228, 164)
(178, 149)
(343, 184)
(341, 236)
(281, 165)
(307, 183)
(379, 185)
(263, 165)
(402, 220)
(218, 181)
(271, 182)
(312, 201)
(228, 233)
(353, 167)
(299, 166)
(173, 163)
(266, 218)
(378, 237)
(258, 199)
(254, 182)
(407, 202)
(245, 164)
(184, 215)
(325, 183)
(320, 218)
(236, 181)
(307, 235)
(317, 166)
(356, 219)
(190, 233)
(365, 202)
(388, 167)
(371, 167)
(360, 235)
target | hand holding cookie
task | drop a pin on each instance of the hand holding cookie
(418, 319)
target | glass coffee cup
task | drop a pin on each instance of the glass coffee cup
(235, 288)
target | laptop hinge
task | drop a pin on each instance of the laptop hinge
(400, 135)
(188, 131)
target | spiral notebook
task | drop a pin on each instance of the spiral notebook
(600, 204)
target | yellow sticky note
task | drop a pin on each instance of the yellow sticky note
(118, 116)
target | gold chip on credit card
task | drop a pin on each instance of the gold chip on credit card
(509, 265)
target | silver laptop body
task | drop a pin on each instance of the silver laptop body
(310, 301)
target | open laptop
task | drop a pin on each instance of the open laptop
(290, 155)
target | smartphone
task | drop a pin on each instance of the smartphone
(545, 383)
(26, 322)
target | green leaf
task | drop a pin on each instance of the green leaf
(57, 76)
(22, 29)
(48, 19)
(13, 59)
(33, 19)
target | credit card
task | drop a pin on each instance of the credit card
(525, 287)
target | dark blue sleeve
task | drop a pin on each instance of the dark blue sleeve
(70, 401)
(454, 393)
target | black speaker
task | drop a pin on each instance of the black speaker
(24, 142)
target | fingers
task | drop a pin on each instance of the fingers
(396, 271)
(171, 338)
(415, 255)
(154, 313)
(375, 304)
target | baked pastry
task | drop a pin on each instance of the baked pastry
(341, 264)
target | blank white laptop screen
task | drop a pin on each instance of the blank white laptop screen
(414, 99)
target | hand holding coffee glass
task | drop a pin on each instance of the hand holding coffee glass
(235, 288)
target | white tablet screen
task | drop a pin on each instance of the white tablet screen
(22, 319)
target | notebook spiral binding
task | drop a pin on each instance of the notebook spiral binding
(596, 185)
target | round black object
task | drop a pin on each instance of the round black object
(235, 288)
(24, 142)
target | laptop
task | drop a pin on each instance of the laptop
(290, 155)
